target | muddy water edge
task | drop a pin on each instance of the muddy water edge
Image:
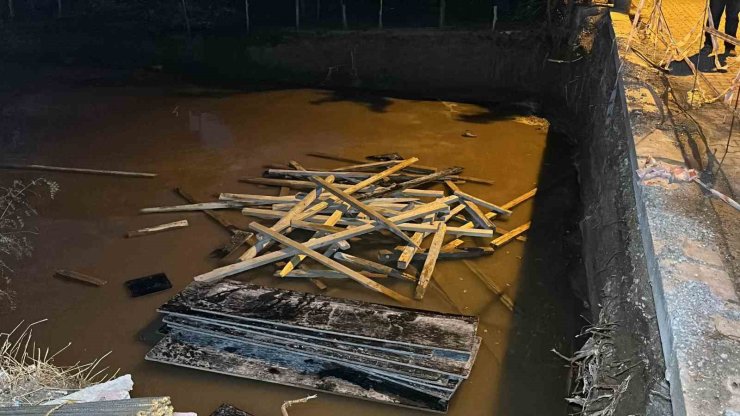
(204, 140)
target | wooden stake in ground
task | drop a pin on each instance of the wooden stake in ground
(78, 170)
(500, 241)
(69, 274)
(354, 202)
(158, 229)
(329, 262)
(431, 261)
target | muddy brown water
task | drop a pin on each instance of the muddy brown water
(204, 140)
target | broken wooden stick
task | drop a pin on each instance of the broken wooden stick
(500, 241)
(408, 252)
(78, 170)
(413, 182)
(249, 264)
(430, 261)
(69, 274)
(475, 213)
(366, 209)
(283, 223)
(157, 229)
(320, 258)
(485, 204)
(374, 267)
(491, 215)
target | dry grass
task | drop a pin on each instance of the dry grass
(15, 208)
(592, 392)
(28, 375)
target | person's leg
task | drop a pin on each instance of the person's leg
(731, 19)
(716, 7)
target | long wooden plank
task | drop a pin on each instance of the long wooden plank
(429, 362)
(258, 199)
(417, 168)
(327, 352)
(257, 363)
(318, 257)
(325, 314)
(413, 182)
(283, 223)
(374, 267)
(485, 204)
(384, 174)
(296, 260)
(442, 358)
(194, 207)
(325, 273)
(500, 241)
(365, 209)
(426, 273)
(475, 213)
(491, 215)
(366, 166)
(78, 170)
(225, 271)
(417, 228)
(408, 252)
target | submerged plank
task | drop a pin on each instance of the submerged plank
(321, 313)
(426, 273)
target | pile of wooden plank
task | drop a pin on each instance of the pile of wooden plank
(380, 196)
(392, 355)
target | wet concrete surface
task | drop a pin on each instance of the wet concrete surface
(204, 140)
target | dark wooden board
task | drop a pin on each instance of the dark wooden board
(247, 361)
(310, 336)
(309, 350)
(328, 349)
(340, 316)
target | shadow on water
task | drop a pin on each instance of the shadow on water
(490, 112)
(546, 307)
(374, 103)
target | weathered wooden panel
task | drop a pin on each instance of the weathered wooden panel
(430, 363)
(340, 316)
(282, 367)
(309, 350)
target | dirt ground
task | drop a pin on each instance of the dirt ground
(204, 139)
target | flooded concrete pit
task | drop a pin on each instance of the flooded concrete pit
(585, 247)
(205, 144)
